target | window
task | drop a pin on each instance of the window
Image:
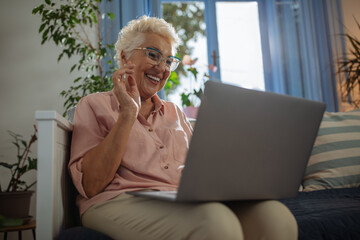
(188, 20)
(235, 53)
(299, 40)
(240, 49)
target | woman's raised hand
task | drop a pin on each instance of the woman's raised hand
(126, 90)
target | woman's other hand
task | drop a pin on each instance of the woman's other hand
(125, 89)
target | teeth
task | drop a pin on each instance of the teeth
(153, 78)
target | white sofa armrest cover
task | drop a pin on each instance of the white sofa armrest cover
(55, 209)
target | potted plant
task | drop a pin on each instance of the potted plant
(171, 84)
(191, 99)
(74, 26)
(188, 101)
(15, 196)
(350, 66)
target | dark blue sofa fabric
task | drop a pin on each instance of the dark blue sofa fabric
(82, 233)
(332, 214)
(327, 214)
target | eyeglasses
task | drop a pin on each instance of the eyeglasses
(156, 57)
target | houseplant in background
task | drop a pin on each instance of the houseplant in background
(188, 21)
(191, 99)
(15, 197)
(350, 66)
(75, 27)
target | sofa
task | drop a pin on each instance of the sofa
(327, 207)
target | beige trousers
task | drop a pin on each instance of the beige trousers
(135, 218)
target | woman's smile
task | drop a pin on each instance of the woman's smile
(153, 79)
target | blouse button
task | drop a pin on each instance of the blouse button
(161, 147)
(166, 167)
(150, 129)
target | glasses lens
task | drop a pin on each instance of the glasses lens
(174, 63)
(154, 56)
(168, 62)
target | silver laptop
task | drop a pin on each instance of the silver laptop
(246, 145)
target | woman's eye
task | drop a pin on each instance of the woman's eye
(169, 62)
(153, 55)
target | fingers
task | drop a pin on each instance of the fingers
(124, 82)
(125, 88)
(132, 83)
(121, 74)
(134, 91)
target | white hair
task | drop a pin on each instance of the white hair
(133, 35)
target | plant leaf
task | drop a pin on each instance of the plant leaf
(111, 16)
(194, 72)
(12, 222)
(24, 143)
(32, 163)
(22, 170)
(185, 99)
(7, 165)
(42, 27)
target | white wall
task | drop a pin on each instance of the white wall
(351, 10)
(31, 79)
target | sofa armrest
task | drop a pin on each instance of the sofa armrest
(54, 135)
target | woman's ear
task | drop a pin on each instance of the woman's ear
(123, 58)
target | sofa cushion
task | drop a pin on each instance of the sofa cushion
(335, 159)
(327, 214)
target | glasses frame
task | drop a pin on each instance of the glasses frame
(175, 61)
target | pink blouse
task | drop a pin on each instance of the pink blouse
(155, 152)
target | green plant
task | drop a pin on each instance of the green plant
(193, 97)
(188, 21)
(171, 83)
(10, 222)
(75, 27)
(350, 66)
(24, 163)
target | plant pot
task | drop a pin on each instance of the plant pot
(191, 111)
(15, 204)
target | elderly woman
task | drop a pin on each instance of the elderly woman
(128, 139)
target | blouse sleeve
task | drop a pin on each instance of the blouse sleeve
(86, 135)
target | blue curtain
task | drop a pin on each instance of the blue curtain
(302, 35)
(125, 11)
(300, 42)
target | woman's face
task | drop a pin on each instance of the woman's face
(150, 78)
